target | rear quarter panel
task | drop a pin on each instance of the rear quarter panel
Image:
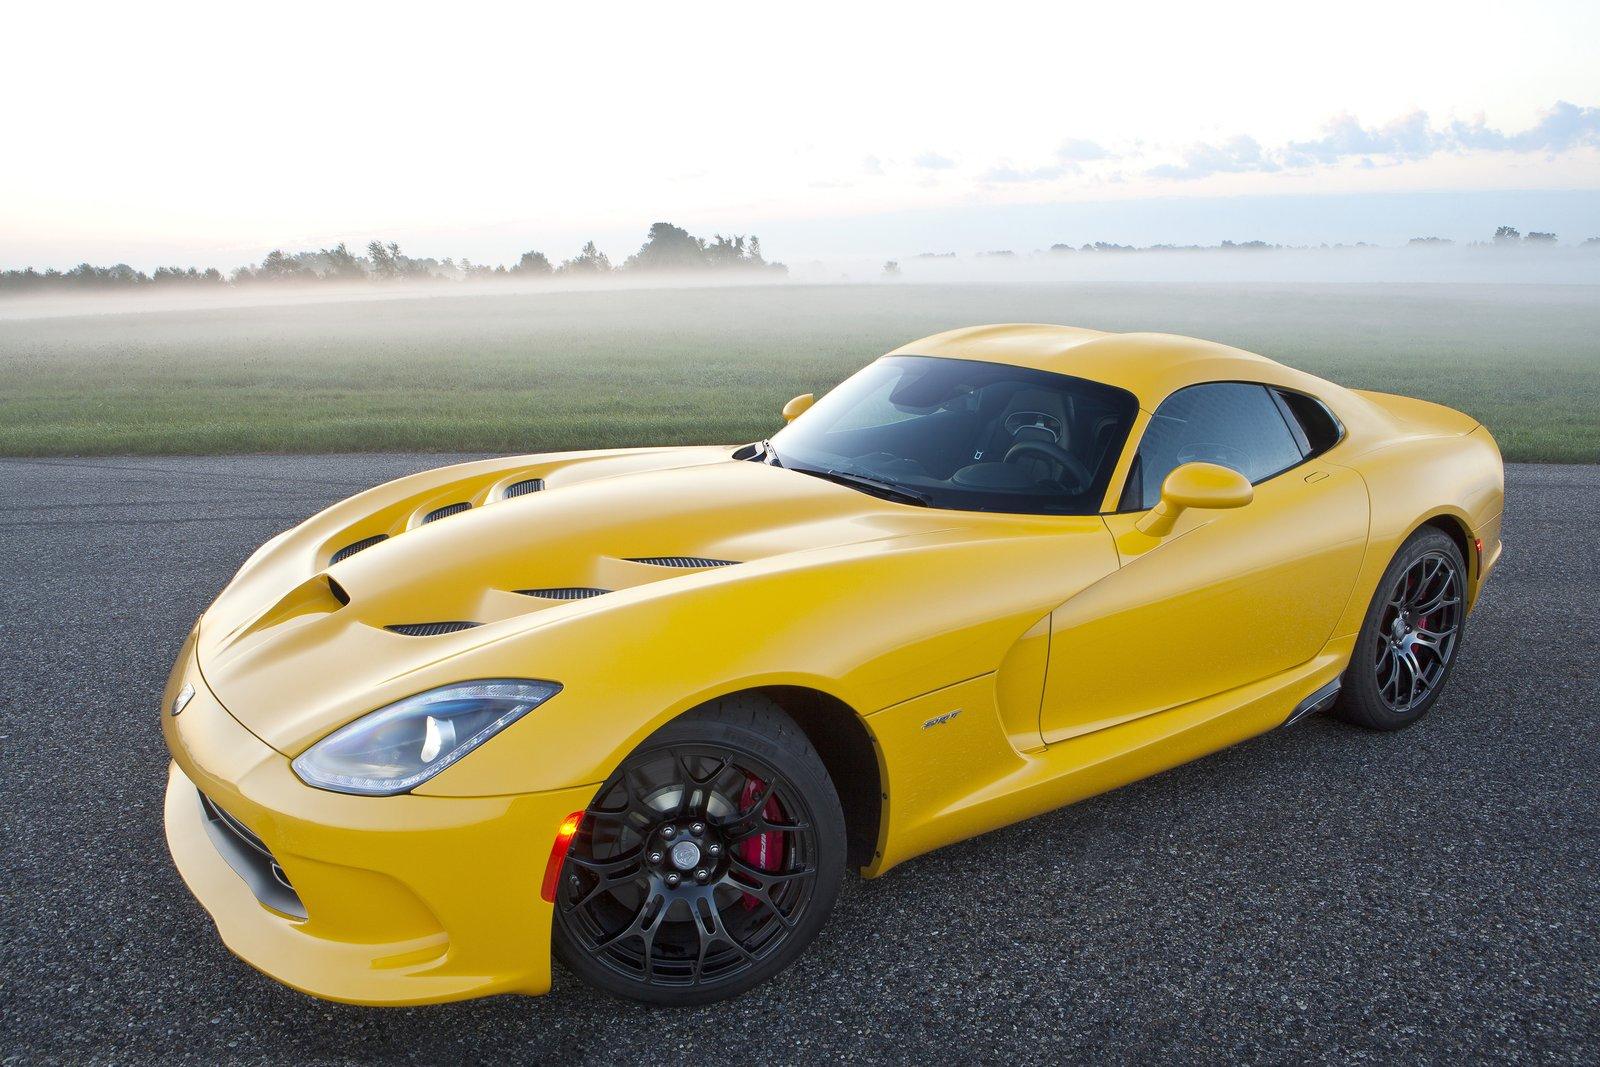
(1421, 477)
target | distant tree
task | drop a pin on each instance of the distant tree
(279, 266)
(1417, 241)
(1535, 237)
(590, 260)
(338, 265)
(533, 264)
(891, 269)
(383, 260)
(669, 247)
(1506, 235)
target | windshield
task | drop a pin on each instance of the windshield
(962, 434)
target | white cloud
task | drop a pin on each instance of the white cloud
(1236, 156)
(934, 161)
(1078, 150)
(1005, 172)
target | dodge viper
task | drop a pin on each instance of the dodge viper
(639, 709)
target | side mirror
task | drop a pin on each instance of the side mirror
(798, 406)
(1196, 485)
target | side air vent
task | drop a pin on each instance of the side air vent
(429, 629)
(691, 562)
(357, 546)
(571, 592)
(338, 592)
(445, 512)
(522, 488)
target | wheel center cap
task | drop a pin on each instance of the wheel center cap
(685, 854)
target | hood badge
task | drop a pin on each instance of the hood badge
(940, 720)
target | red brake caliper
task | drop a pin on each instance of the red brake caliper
(764, 852)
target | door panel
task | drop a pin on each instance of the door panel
(1227, 598)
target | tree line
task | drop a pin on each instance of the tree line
(666, 248)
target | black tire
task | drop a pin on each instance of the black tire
(634, 920)
(1395, 674)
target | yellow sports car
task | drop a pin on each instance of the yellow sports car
(642, 707)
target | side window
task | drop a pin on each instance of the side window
(1235, 424)
(1315, 424)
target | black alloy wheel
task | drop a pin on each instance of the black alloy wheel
(707, 861)
(1409, 640)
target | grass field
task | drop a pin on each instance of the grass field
(532, 372)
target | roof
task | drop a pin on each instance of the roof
(1151, 366)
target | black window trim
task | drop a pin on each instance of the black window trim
(1296, 431)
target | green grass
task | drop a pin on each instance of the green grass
(533, 372)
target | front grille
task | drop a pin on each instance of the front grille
(523, 488)
(429, 629)
(357, 546)
(250, 859)
(445, 512)
(682, 561)
(571, 592)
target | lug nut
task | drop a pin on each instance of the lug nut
(673, 880)
(655, 857)
(701, 875)
(669, 832)
(697, 829)
(714, 849)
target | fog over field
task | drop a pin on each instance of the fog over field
(499, 368)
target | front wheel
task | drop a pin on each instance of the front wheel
(707, 862)
(1408, 641)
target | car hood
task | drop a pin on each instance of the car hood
(298, 645)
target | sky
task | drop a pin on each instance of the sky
(210, 133)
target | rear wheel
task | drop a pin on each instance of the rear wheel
(706, 863)
(1409, 639)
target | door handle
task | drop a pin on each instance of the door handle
(1316, 476)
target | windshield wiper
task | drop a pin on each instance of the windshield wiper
(768, 455)
(875, 486)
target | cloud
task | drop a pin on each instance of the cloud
(1563, 128)
(1005, 172)
(1409, 138)
(872, 165)
(934, 161)
(1240, 155)
(1077, 150)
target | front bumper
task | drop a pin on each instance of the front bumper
(407, 900)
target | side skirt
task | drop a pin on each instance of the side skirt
(1321, 700)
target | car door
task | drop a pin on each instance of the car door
(1229, 596)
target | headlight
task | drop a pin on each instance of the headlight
(397, 748)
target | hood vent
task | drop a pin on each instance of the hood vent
(571, 592)
(445, 512)
(357, 546)
(429, 629)
(689, 562)
(523, 488)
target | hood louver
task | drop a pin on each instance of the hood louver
(523, 488)
(689, 562)
(571, 592)
(445, 512)
(356, 546)
(429, 629)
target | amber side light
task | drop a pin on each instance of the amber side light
(558, 854)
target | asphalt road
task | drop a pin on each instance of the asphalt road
(1319, 893)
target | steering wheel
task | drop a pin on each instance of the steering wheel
(1068, 463)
